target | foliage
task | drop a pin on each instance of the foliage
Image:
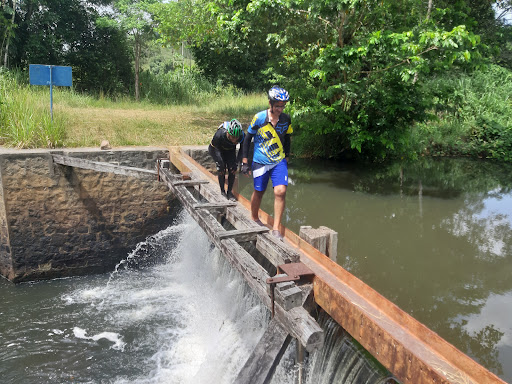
(7, 29)
(222, 51)
(175, 87)
(94, 71)
(473, 115)
(186, 20)
(65, 32)
(354, 68)
(25, 120)
(361, 88)
(132, 17)
(359, 72)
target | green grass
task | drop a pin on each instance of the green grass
(25, 118)
(84, 121)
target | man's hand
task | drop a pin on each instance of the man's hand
(245, 168)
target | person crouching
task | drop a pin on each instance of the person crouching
(223, 151)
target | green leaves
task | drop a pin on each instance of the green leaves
(186, 20)
(354, 68)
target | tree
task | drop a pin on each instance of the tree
(8, 26)
(351, 67)
(133, 18)
(65, 32)
(503, 8)
(103, 62)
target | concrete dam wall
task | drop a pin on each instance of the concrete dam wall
(58, 221)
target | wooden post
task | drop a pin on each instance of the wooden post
(103, 167)
(324, 239)
(263, 361)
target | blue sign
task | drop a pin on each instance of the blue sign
(44, 74)
(50, 75)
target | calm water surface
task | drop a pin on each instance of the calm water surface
(434, 238)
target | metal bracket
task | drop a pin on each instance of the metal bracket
(294, 272)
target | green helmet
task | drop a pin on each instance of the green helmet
(234, 128)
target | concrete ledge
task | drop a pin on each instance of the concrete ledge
(60, 221)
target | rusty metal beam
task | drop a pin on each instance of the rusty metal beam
(413, 353)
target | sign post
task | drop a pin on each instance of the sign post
(50, 75)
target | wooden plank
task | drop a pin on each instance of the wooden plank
(220, 205)
(103, 167)
(190, 183)
(261, 364)
(241, 235)
(276, 251)
(270, 247)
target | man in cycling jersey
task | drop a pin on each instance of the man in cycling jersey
(223, 151)
(271, 130)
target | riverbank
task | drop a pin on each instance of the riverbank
(475, 123)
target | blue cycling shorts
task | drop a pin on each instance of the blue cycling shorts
(278, 173)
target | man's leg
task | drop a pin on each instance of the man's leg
(255, 204)
(279, 204)
(220, 165)
(279, 176)
(260, 181)
(230, 160)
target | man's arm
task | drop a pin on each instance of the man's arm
(246, 146)
(287, 145)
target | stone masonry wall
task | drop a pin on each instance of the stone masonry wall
(59, 221)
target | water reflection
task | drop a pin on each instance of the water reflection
(486, 223)
(433, 237)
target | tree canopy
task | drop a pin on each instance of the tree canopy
(356, 69)
(65, 32)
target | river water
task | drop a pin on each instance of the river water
(187, 318)
(433, 237)
(173, 312)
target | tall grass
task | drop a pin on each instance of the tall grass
(25, 120)
(84, 121)
(177, 88)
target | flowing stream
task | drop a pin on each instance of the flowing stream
(173, 311)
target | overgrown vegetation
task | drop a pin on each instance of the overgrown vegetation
(84, 121)
(25, 119)
(471, 116)
(369, 79)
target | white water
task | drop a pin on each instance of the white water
(174, 312)
(197, 315)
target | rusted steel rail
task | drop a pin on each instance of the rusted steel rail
(408, 349)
